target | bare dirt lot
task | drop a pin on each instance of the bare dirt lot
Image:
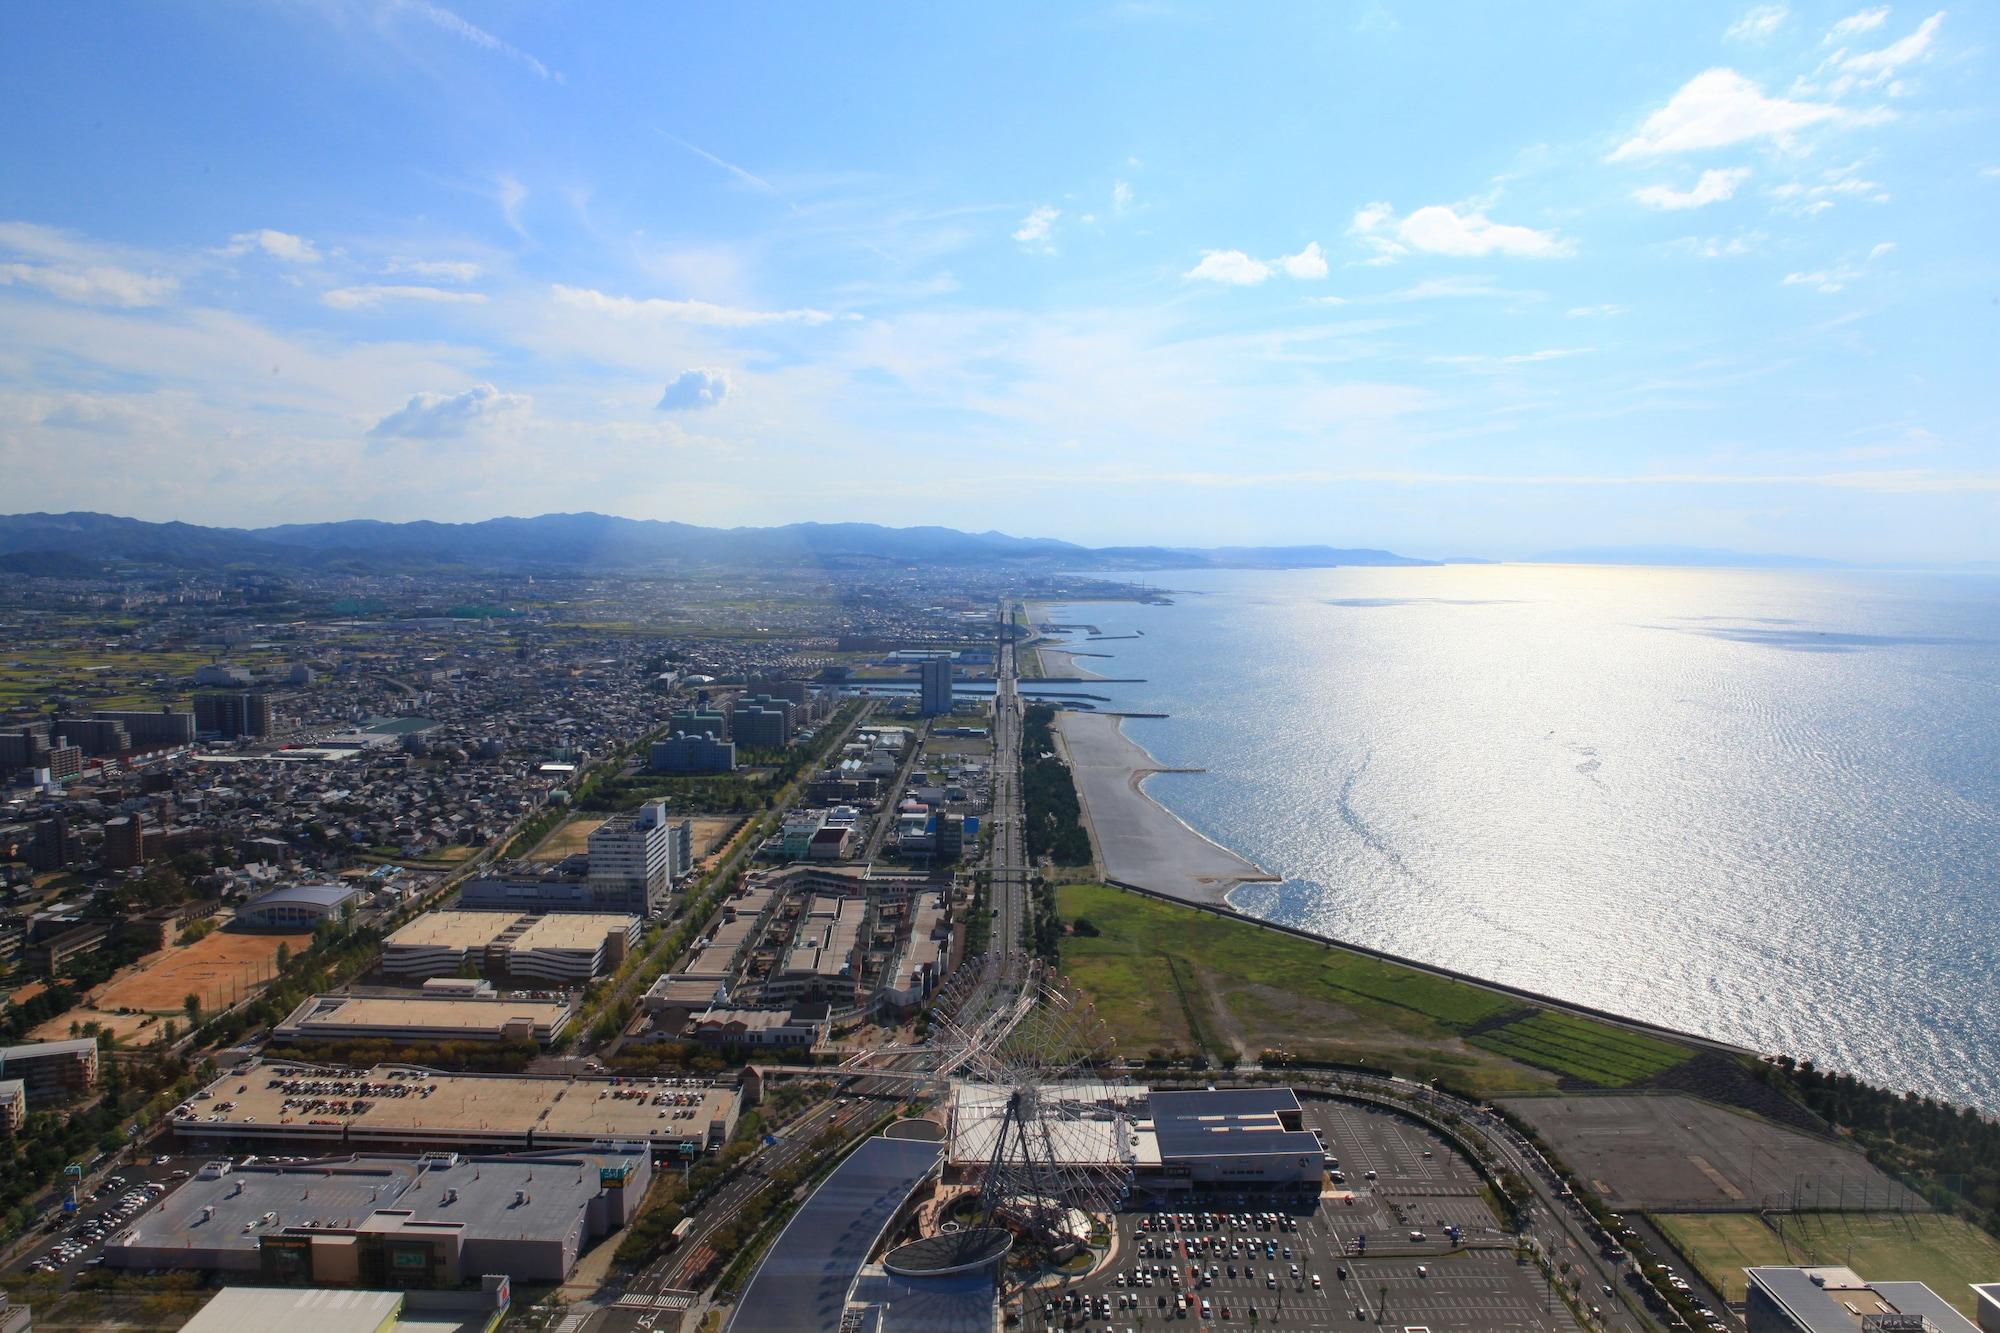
(1676, 1152)
(568, 840)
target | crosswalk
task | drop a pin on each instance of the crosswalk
(661, 1300)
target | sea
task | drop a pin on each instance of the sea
(1761, 806)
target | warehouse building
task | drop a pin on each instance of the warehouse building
(291, 1108)
(565, 948)
(430, 1222)
(426, 1018)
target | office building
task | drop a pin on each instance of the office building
(701, 722)
(151, 731)
(433, 1221)
(682, 753)
(632, 856)
(234, 715)
(566, 948)
(395, 1107)
(54, 1067)
(298, 906)
(1834, 1299)
(935, 677)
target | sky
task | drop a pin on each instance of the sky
(1448, 279)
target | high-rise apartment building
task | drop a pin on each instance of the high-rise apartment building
(761, 723)
(935, 675)
(151, 730)
(233, 715)
(93, 735)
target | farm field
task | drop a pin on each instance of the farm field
(1947, 1254)
(1583, 1048)
(1165, 977)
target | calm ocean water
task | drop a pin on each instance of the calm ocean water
(1762, 806)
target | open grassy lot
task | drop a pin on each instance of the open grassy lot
(1583, 1048)
(1165, 977)
(1947, 1254)
(1722, 1245)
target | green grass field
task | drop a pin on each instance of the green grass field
(1165, 977)
(1945, 1253)
(1583, 1048)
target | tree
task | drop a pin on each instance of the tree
(192, 1003)
(284, 954)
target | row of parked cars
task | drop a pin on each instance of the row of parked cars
(88, 1235)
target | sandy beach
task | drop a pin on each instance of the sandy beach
(1141, 842)
(1058, 661)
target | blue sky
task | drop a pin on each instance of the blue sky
(1450, 279)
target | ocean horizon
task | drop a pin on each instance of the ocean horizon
(1761, 806)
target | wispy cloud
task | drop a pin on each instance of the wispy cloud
(438, 270)
(1594, 311)
(276, 244)
(1855, 24)
(1758, 24)
(370, 296)
(682, 312)
(1037, 230)
(749, 178)
(1714, 186)
(444, 19)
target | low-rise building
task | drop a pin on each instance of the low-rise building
(13, 1106)
(297, 906)
(802, 1026)
(433, 1221)
(426, 1018)
(570, 947)
(400, 1107)
(1835, 1299)
(56, 1067)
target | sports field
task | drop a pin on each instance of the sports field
(1583, 1048)
(1946, 1254)
(567, 840)
(221, 967)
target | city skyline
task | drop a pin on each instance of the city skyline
(1128, 274)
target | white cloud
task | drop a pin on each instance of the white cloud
(680, 312)
(1451, 289)
(1757, 24)
(1885, 62)
(99, 414)
(440, 416)
(1309, 263)
(369, 296)
(1441, 229)
(1855, 24)
(1828, 280)
(437, 270)
(1880, 249)
(1714, 186)
(1229, 266)
(94, 284)
(1595, 311)
(277, 244)
(1121, 197)
(1719, 107)
(692, 390)
(1037, 230)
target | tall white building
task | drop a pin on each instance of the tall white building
(936, 676)
(632, 856)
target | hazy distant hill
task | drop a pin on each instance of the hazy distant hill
(1690, 556)
(600, 541)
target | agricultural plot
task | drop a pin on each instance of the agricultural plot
(1583, 1048)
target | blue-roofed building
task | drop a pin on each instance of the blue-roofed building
(297, 906)
(1234, 1135)
(805, 1280)
(1833, 1299)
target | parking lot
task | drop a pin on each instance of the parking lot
(1374, 1248)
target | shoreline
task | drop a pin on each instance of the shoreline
(1054, 660)
(1139, 841)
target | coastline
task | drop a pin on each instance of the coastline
(1140, 842)
(1056, 661)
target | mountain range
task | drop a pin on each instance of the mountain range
(87, 543)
